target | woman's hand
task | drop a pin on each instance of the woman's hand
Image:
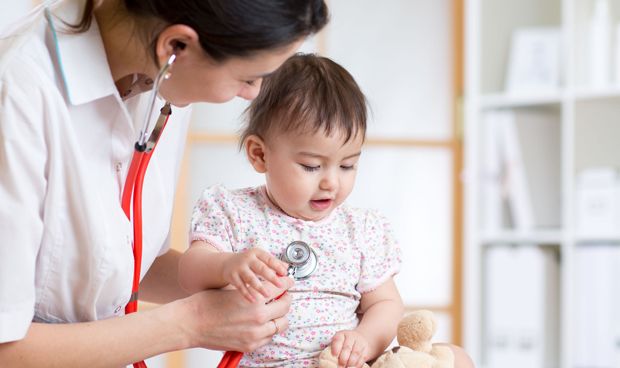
(350, 348)
(225, 320)
(245, 270)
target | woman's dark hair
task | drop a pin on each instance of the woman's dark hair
(307, 94)
(231, 28)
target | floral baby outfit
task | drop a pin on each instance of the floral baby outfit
(356, 253)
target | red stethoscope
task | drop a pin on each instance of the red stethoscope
(299, 255)
(132, 191)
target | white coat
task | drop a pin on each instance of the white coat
(66, 141)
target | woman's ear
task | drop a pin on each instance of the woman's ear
(176, 39)
(255, 150)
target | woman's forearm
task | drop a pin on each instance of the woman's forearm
(113, 342)
(212, 319)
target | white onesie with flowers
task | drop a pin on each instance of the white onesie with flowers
(356, 253)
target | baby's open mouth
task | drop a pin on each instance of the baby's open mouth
(321, 204)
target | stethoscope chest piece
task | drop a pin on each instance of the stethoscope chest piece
(301, 259)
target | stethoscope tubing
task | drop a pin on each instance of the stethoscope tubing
(143, 150)
(133, 190)
(130, 192)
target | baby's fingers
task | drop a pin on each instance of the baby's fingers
(266, 272)
(272, 263)
(356, 359)
(337, 343)
(252, 281)
(345, 352)
(243, 287)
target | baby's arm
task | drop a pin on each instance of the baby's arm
(203, 267)
(381, 309)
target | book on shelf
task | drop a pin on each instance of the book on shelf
(516, 181)
(521, 320)
(492, 183)
(521, 170)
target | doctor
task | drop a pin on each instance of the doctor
(72, 77)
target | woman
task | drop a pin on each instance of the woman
(71, 106)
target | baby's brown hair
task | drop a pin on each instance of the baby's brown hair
(307, 94)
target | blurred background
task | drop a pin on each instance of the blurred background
(493, 149)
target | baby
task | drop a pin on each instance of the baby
(305, 132)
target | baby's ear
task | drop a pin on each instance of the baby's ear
(255, 150)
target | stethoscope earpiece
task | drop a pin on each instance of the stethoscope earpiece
(162, 75)
(165, 72)
(301, 259)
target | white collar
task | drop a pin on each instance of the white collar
(81, 56)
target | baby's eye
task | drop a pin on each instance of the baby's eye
(310, 168)
(347, 167)
(250, 82)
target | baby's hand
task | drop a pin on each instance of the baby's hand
(243, 270)
(350, 348)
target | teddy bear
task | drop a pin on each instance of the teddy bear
(415, 349)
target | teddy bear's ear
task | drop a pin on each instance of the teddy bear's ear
(416, 329)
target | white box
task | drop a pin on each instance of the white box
(520, 318)
(595, 305)
(598, 203)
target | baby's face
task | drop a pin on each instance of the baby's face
(310, 175)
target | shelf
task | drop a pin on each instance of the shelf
(597, 93)
(598, 240)
(546, 237)
(505, 100)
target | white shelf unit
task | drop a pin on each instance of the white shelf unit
(587, 135)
